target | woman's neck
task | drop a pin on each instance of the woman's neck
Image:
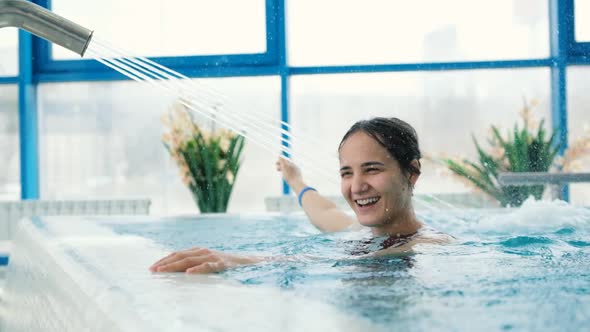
(403, 224)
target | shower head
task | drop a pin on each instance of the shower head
(45, 24)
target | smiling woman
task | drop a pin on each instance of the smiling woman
(379, 166)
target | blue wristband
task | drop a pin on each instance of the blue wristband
(303, 192)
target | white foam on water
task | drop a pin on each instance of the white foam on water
(76, 274)
(536, 216)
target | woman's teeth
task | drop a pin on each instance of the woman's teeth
(367, 201)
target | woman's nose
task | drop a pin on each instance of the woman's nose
(358, 184)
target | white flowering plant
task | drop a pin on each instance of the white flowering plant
(208, 160)
(530, 148)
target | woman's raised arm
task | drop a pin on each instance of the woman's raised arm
(322, 212)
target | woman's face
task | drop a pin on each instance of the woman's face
(372, 182)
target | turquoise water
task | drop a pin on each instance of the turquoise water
(526, 269)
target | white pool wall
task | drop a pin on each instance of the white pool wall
(76, 274)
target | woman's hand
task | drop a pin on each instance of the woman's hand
(291, 174)
(201, 260)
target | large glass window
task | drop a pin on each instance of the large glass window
(8, 52)
(579, 128)
(167, 28)
(335, 32)
(582, 24)
(446, 108)
(103, 140)
(9, 144)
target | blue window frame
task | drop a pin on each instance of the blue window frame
(49, 70)
(40, 67)
(579, 52)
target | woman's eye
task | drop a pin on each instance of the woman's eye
(372, 170)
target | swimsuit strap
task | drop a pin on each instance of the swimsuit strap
(397, 240)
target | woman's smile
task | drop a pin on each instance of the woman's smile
(367, 205)
(365, 202)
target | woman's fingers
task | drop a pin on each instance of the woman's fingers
(201, 260)
(178, 256)
(156, 264)
(279, 164)
(207, 267)
(186, 263)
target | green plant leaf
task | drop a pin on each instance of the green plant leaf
(524, 151)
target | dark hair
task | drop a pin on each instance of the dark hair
(397, 136)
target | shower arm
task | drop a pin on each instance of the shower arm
(45, 24)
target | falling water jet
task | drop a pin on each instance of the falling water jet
(142, 75)
(129, 66)
(166, 73)
(253, 136)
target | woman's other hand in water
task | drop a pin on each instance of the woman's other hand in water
(291, 173)
(201, 260)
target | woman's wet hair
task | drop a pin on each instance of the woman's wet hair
(396, 136)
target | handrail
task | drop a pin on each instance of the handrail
(532, 178)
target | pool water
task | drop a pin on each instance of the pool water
(525, 269)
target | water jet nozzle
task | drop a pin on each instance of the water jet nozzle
(45, 24)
